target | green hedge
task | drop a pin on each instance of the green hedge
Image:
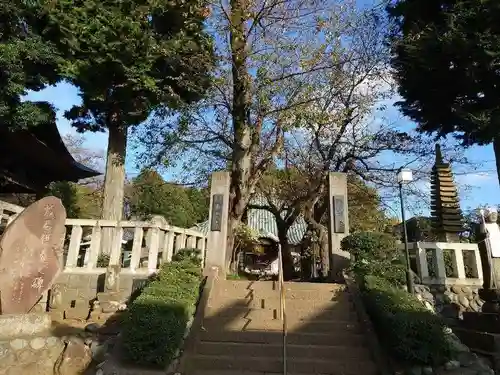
(157, 319)
(409, 331)
(375, 254)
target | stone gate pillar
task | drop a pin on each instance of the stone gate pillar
(215, 255)
(338, 222)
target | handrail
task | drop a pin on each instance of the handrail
(282, 305)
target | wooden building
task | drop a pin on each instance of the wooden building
(30, 159)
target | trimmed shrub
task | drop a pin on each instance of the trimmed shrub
(408, 330)
(375, 254)
(157, 319)
(194, 255)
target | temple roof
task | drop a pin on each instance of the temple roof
(264, 223)
(32, 158)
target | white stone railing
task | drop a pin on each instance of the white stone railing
(464, 257)
(162, 241)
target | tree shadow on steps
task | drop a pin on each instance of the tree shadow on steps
(241, 330)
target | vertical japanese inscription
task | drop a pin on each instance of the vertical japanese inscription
(29, 256)
(217, 204)
(338, 214)
(48, 225)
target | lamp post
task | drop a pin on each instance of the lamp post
(405, 176)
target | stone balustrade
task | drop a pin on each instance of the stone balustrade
(440, 263)
(137, 246)
(149, 244)
(8, 212)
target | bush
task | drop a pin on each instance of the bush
(157, 319)
(375, 254)
(409, 331)
(103, 260)
(194, 255)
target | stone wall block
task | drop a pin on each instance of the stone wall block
(79, 281)
(449, 299)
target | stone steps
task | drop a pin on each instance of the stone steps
(274, 285)
(239, 372)
(273, 302)
(276, 337)
(271, 325)
(255, 290)
(276, 350)
(293, 312)
(275, 365)
(242, 333)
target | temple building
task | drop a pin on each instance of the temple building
(30, 159)
(446, 215)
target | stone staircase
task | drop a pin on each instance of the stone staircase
(242, 334)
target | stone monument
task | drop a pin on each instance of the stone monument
(217, 253)
(30, 255)
(482, 329)
(489, 248)
(338, 210)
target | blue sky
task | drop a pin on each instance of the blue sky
(476, 187)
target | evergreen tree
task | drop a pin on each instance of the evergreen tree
(446, 55)
(151, 195)
(128, 59)
(27, 62)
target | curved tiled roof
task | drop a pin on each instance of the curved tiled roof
(264, 223)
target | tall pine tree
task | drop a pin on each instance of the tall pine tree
(27, 62)
(446, 58)
(128, 59)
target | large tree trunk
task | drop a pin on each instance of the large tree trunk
(313, 217)
(285, 250)
(496, 150)
(240, 189)
(112, 208)
(239, 193)
(307, 259)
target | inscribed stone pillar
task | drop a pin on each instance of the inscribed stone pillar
(215, 255)
(338, 222)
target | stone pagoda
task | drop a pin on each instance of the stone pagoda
(447, 220)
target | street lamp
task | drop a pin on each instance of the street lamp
(405, 176)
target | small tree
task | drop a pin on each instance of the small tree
(375, 254)
(150, 195)
(245, 239)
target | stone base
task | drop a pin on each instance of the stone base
(482, 342)
(492, 300)
(490, 294)
(36, 355)
(15, 325)
(482, 322)
(44, 355)
(112, 297)
(450, 301)
(79, 310)
(110, 302)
